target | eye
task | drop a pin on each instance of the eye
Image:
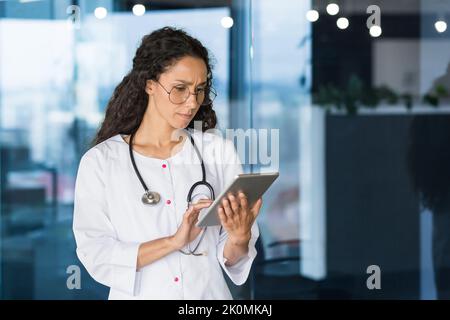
(180, 88)
(200, 90)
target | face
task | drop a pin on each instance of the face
(188, 74)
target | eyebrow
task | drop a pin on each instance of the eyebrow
(190, 83)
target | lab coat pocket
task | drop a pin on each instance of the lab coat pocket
(196, 277)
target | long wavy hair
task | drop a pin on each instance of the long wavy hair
(158, 51)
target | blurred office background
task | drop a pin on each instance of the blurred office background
(360, 93)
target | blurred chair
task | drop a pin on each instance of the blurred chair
(279, 277)
(24, 202)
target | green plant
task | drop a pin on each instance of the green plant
(353, 96)
(436, 95)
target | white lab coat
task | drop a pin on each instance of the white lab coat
(110, 221)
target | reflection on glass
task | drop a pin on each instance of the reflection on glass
(362, 115)
(55, 84)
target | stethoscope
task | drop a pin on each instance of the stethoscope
(153, 197)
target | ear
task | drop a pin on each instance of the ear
(149, 87)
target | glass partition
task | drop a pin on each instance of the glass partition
(347, 99)
(59, 63)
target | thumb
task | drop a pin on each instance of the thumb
(257, 207)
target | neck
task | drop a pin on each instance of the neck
(155, 131)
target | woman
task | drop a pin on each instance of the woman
(134, 229)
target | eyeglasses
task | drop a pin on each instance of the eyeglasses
(180, 93)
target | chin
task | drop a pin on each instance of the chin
(180, 125)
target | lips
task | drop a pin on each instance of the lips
(185, 116)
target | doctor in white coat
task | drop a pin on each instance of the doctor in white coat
(134, 228)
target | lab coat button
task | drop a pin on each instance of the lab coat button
(176, 279)
(164, 166)
(168, 202)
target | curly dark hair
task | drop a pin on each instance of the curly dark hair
(158, 51)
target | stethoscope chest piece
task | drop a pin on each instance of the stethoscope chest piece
(151, 197)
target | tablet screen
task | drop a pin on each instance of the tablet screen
(253, 185)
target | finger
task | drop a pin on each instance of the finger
(188, 212)
(227, 208)
(204, 201)
(191, 213)
(244, 202)
(222, 216)
(193, 217)
(199, 206)
(257, 207)
(234, 204)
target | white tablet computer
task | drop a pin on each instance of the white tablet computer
(253, 185)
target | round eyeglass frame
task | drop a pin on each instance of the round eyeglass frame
(211, 91)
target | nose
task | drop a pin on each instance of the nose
(191, 101)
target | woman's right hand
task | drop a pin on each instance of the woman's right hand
(187, 231)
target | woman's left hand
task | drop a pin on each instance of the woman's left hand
(237, 218)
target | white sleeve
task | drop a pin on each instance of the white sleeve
(109, 261)
(238, 273)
